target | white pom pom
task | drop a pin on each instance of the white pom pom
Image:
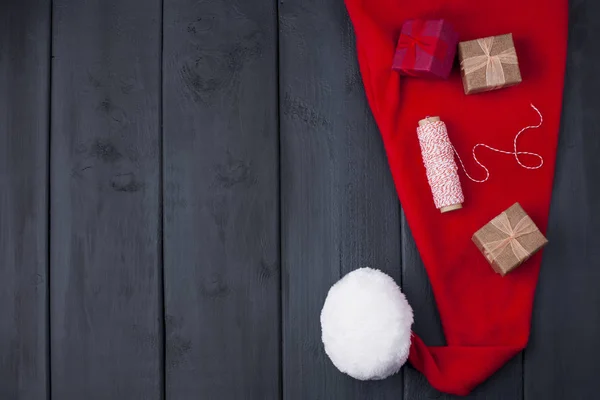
(366, 325)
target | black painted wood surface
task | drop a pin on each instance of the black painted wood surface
(24, 89)
(560, 361)
(221, 199)
(339, 210)
(182, 181)
(105, 269)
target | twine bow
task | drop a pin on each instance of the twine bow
(523, 227)
(494, 73)
(431, 45)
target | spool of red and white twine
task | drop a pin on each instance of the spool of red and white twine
(442, 172)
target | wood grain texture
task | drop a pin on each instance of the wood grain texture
(24, 85)
(222, 267)
(507, 383)
(105, 162)
(562, 356)
(339, 207)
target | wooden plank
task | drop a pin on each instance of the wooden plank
(339, 207)
(560, 361)
(222, 267)
(106, 319)
(24, 84)
(507, 383)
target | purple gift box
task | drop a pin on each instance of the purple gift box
(426, 48)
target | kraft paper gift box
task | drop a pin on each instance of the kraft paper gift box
(489, 63)
(509, 239)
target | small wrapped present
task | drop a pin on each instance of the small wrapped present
(426, 48)
(509, 239)
(489, 63)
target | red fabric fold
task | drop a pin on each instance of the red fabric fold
(486, 318)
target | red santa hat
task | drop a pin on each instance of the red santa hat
(486, 318)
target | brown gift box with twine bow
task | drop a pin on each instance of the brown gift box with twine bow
(509, 240)
(489, 63)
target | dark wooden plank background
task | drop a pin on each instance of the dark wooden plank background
(221, 200)
(24, 89)
(560, 361)
(106, 310)
(182, 181)
(339, 208)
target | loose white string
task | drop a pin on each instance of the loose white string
(515, 153)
